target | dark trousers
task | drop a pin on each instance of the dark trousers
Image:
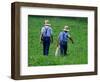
(63, 48)
(46, 45)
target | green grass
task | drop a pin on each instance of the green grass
(77, 52)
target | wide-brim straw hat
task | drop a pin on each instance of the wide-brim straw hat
(46, 22)
(66, 28)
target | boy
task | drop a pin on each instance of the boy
(46, 37)
(63, 40)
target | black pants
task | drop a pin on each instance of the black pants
(46, 45)
(63, 48)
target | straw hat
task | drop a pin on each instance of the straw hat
(66, 28)
(46, 22)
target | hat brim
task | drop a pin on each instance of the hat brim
(47, 24)
(65, 29)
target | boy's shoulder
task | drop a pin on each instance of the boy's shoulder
(61, 32)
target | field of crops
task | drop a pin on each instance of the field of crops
(77, 52)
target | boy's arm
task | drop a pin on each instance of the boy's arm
(71, 40)
(41, 35)
(41, 38)
(51, 38)
(58, 41)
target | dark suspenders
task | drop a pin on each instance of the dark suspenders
(46, 30)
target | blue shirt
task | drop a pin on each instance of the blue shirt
(63, 36)
(46, 31)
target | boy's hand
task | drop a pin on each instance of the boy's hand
(72, 42)
(51, 39)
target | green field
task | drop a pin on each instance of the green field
(77, 52)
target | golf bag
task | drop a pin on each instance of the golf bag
(57, 52)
